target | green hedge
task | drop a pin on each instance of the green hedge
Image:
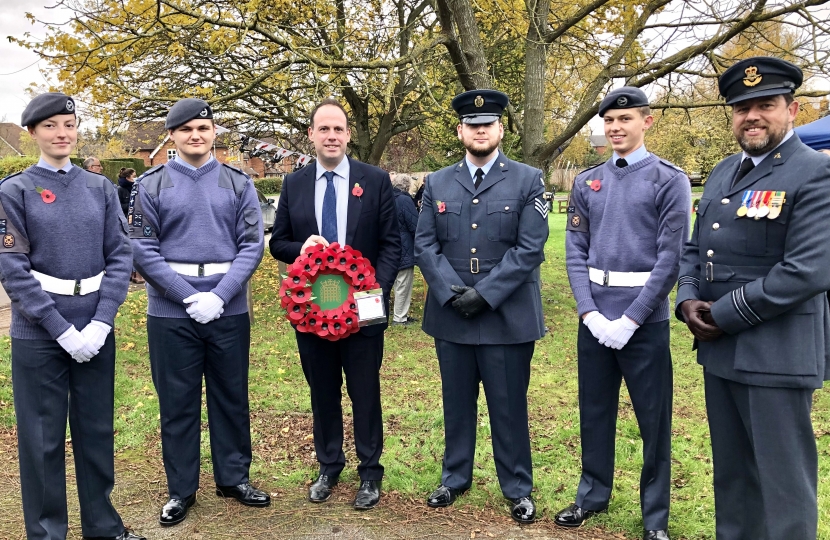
(270, 185)
(15, 164)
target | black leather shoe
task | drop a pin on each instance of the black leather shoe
(126, 535)
(245, 494)
(320, 490)
(574, 516)
(662, 534)
(368, 495)
(176, 510)
(443, 496)
(524, 510)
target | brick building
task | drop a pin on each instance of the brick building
(10, 139)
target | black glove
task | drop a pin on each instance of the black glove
(470, 303)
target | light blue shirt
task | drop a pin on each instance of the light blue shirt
(758, 159)
(341, 189)
(635, 156)
(178, 159)
(486, 167)
(43, 165)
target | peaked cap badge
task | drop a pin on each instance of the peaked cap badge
(752, 77)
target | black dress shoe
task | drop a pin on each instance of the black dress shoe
(246, 494)
(443, 496)
(661, 534)
(175, 510)
(368, 495)
(320, 490)
(574, 516)
(524, 510)
(126, 535)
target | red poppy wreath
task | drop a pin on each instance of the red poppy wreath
(318, 291)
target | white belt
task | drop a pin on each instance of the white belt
(618, 279)
(200, 270)
(68, 287)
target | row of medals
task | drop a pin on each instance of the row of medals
(762, 204)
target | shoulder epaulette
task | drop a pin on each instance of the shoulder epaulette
(234, 169)
(592, 167)
(149, 172)
(11, 176)
(670, 164)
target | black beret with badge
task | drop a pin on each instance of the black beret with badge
(480, 106)
(759, 76)
(626, 97)
(46, 106)
(187, 109)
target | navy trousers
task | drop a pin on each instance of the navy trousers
(765, 461)
(47, 383)
(182, 351)
(504, 370)
(324, 363)
(645, 364)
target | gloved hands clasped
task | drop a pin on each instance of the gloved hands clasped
(614, 334)
(467, 302)
(83, 345)
(204, 307)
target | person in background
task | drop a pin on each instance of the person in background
(64, 261)
(93, 164)
(407, 223)
(126, 180)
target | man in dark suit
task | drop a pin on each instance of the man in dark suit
(479, 243)
(751, 290)
(318, 205)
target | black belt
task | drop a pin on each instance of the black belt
(723, 272)
(473, 265)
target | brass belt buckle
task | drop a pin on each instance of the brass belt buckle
(201, 270)
(710, 272)
(77, 289)
(474, 265)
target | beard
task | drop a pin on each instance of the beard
(759, 147)
(482, 151)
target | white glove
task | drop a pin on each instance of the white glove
(596, 323)
(95, 335)
(618, 332)
(313, 240)
(204, 307)
(74, 343)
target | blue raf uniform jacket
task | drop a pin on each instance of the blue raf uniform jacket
(491, 238)
(766, 277)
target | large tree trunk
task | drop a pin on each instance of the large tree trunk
(534, 85)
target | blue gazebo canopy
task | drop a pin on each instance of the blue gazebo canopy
(816, 134)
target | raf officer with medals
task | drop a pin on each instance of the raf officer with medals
(65, 262)
(626, 228)
(196, 230)
(479, 243)
(751, 291)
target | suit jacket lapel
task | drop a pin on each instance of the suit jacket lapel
(776, 157)
(355, 203)
(496, 173)
(308, 189)
(462, 176)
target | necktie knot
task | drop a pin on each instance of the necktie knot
(621, 162)
(746, 166)
(329, 176)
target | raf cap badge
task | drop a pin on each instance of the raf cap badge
(622, 101)
(752, 78)
(479, 101)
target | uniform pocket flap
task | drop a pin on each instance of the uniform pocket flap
(449, 207)
(503, 206)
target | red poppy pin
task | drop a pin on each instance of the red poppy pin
(357, 191)
(594, 184)
(442, 206)
(45, 194)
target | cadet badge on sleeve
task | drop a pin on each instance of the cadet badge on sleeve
(148, 231)
(8, 241)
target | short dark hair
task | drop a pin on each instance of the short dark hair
(327, 101)
(125, 172)
(789, 97)
(645, 111)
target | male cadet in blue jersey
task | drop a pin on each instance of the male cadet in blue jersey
(626, 226)
(752, 282)
(196, 230)
(479, 243)
(65, 262)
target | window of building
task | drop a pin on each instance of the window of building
(171, 153)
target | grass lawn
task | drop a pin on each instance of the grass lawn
(281, 418)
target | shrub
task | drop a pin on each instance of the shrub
(270, 185)
(14, 164)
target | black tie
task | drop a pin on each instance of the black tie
(61, 171)
(622, 163)
(746, 166)
(479, 177)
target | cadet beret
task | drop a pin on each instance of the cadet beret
(480, 106)
(626, 97)
(185, 110)
(45, 106)
(758, 77)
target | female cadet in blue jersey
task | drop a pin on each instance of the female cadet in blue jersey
(65, 263)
